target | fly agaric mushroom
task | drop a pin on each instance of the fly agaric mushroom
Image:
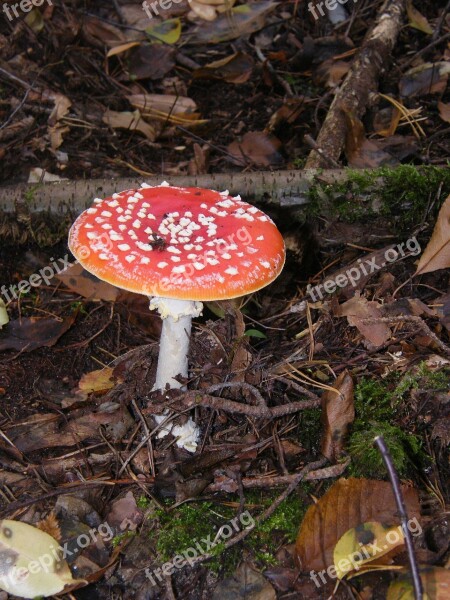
(178, 246)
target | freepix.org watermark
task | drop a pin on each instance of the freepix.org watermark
(329, 5)
(200, 548)
(365, 267)
(46, 274)
(366, 552)
(23, 6)
(46, 562)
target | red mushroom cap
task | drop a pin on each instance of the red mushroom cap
(182, 243)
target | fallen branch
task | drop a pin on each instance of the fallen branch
(195, 398)
(279, 480)
(360, 82)
(286, 188)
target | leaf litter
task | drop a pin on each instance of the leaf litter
(78, 361)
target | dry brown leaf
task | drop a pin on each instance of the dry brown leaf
(444, 111)
(361, 152)
(429, 78)
(338, 413)
(437, 253)
(87, 285)
(28, 333)
(357, 310)
(257, 148)
(347, 504)
(236, 68)
(132, 121)
(166, 103)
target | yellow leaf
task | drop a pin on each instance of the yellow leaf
(31, 562)
(121, 48)
(35, 20)
(168, 31)
(97, 381)
(364, 544)
(437, 254)
(435, 581)
(417, 20)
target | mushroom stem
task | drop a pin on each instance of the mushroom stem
(173, 360)
(175, 335)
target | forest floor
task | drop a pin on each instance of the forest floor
(99, 90)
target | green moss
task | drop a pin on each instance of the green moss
(367, 460)
(143, 502)
(401, 196)
(189, 525)
(379, 405)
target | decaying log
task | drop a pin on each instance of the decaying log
(360, 82)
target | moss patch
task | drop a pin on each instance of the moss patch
(379, 406)
(401, 196)
(189, 525)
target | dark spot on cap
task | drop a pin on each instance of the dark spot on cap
(364, 536)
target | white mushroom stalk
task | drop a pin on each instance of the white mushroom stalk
(173, 360)
(175, 335)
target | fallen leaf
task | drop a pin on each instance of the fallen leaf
(87, 285)
(168, 32)
(436, 255)
(100, 33)
(239, 21)
(361, 152)
(31, 562)
(99, 381)
(363, 546)
(208, 9)
(245, 584)
(35, 20)
(38, 175)
(132, 121)
(338, 413)
(150, 61)
(417, 19)
(236, 68)
(429, 78)
(347, 504)
(121, 48)
(357, 310)
(28, 333)
(444, 111)
(256, 148)
(435, 581)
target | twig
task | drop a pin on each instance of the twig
(432, 44)
(417, 582)
(271, 482)
(119, 11)
(195, 398)
(440, 22)
(239, 384)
